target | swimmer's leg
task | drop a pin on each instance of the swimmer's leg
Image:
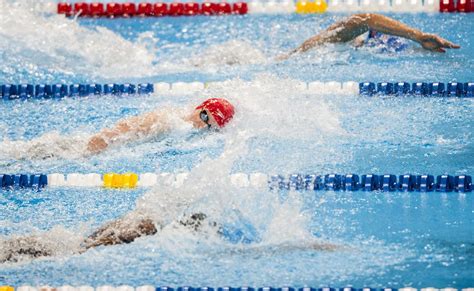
(122, 230)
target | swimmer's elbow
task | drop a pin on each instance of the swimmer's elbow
(350, 28)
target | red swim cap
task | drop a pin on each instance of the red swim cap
(219, 108)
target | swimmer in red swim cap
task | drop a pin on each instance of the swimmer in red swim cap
(212, 113)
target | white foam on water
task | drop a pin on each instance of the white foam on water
(264, 109)
(56, 242)
(51, 145)
(230, 53)
(268, 104)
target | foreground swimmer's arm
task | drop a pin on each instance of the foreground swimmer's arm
(132, 226)
(214, 112)
(122, 230)
(129, 129)
(348, 29)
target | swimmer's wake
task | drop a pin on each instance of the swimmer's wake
(49, 146)
(132, 226)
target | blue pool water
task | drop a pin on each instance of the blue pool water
(384, 239)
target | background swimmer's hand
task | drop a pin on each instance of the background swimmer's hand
(96, 144)
(435, 43)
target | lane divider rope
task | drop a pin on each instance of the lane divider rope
(57, 91)
(129, 9)
(159, 9)
(420, 88)
(152, 288)
(298, 182)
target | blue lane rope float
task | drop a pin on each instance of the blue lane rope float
(296, 182)
(23, 181)
(40, 91)
(371, 182)
(58, 91)
(435, 89)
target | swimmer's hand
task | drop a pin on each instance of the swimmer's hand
(435, 43)
(96, 144)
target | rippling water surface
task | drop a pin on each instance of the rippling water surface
(383, 239)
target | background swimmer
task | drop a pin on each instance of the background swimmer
(351, 29)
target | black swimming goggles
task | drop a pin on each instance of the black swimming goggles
(205, 118)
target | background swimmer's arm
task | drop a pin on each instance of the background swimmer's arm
(128, 129)
(350, 28)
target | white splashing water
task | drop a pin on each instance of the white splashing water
(207, 187)
(234, 52)
(268, 104)
(47, 46)
(51, 145)
(264, 109)
(58, 241)
(264, 117)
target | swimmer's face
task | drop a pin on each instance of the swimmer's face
(198, 116)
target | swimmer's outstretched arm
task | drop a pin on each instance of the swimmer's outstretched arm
(129, 129)
(348, 29)
(29, 246)
(121, 231)
(132, 226)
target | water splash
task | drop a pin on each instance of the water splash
(230, 53)
(58, 241)
(42, 48)
(52, 145)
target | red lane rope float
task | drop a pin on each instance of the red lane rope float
(145, 9)
(129, 9)
(447, 6)
(465, 6)
(456, 6)
(113, 10)
(96, 9)
(176, 9)
(160, 9)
